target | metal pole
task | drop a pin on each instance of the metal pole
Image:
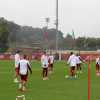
(47, 21)
(46, 37)
(89, 78)
(56, 25)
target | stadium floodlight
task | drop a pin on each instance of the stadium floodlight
(22, 97)
(47, 21)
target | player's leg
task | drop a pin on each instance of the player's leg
(16, 75)
(16, 72)
(71, 71)
(77, 68)
(49, 67)
(20, 83)
(46, 73)
(24, 80)
(52, 67)
(43, 73)
(23, 85)
(80, 68)
(97, 69)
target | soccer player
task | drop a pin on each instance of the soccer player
(72, 65)
(17, 59)
(97, 66)
(44, 64)
(23, 67)
(51, 61)
(79, 62)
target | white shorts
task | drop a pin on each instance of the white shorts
(44, 66)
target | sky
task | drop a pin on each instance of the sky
(82, 16)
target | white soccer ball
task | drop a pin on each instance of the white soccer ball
(66, 76)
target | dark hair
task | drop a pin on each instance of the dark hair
(17, 51)
(71, 53)
(24, 56)
(44, 52)
(77, 54)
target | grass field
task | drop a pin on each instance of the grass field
(56, 88)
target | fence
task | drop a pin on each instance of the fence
(58, 56)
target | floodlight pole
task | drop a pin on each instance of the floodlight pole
(56, 25)
(47, 20)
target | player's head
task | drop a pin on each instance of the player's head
(24, 56)
(44, 52)
(17, 51)
(77, 54)
(71, 53)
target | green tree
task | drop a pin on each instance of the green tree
(3, 35)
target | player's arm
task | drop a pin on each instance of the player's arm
(82, 60)
(41, 59)
(18, 67)
(53, 59)
(68, 61)
(29, 67)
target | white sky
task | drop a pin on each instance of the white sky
(83, 16)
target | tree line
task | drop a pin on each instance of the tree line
(13, 35)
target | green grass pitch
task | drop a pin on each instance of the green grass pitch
(56, 88)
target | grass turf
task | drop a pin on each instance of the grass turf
(56, 88)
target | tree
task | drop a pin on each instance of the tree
(69, 42)
(80, 43)
(3, 35)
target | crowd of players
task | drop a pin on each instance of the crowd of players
(22, 66)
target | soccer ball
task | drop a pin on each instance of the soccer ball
(66, 76)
